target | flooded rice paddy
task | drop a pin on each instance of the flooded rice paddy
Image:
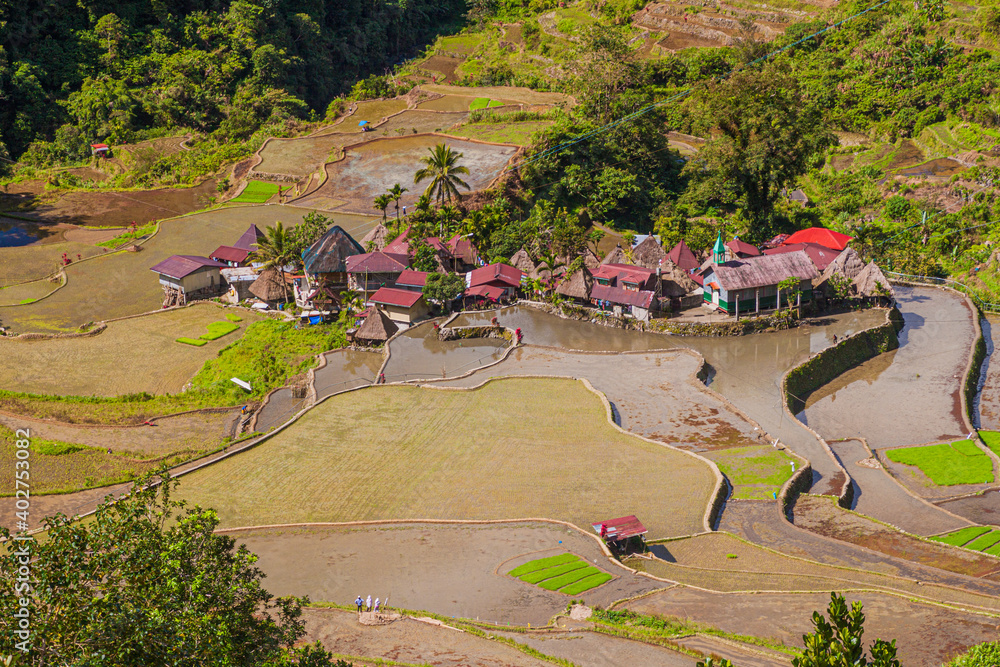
(910, 395)
(418, 354)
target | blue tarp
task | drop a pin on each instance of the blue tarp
(315, 319)
(364, 122)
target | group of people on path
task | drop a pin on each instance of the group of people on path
(366, 604)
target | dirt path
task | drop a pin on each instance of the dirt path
(878, 495)
(452, 570)
(409, 642)
(760, 523)
(927, 635)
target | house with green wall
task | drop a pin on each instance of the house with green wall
(750, 285)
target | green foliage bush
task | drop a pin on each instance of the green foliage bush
(986, 654)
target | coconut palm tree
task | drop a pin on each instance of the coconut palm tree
(275, 250)
(442, 167)
(381, 203)
(396, 193)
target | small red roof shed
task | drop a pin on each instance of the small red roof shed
(390, 296)
(622, 528)
(486, 291)
(412, 279)
(743, 249)
(501, 275)
(225, 253)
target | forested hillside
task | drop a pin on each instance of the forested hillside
(77, 71)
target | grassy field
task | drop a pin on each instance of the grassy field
(758, 471)
(992, 440)
(483, 103)
(33, 262)
(120, 284)
(130, 356)
(507, 133)
(514, 448)
(567, 573)
(256, 192)
(947, 464)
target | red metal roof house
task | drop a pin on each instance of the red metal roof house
(504, 276)
(401, 305)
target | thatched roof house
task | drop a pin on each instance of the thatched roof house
(871, 282)
(577, 285)
(649, 253)
(616, 256)
(522, 261)
(846, 264)
(377, 327)
(329, 254)
(590, 260)
(270, 287)
(375, 240)
(675, 282)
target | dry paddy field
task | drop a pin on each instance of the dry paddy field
(43, 257)
(130, 356)
(508, 93)
(513, 449)
(120, 284)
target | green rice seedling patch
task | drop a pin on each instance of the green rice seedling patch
(256, 192)
(962, 536)
(756, 471)
(984, 542)
(217, 330)
(556, 583)
(543, 563)
(483, 103)
(992, 440)
(585, 584)
(192, 341)
(994, 550)
(55, 448)
(551, 572)
(232, 317)
(947, 464)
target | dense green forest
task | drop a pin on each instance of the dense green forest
(77, 71)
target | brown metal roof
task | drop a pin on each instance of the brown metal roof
(621, 296)
(764, 270)
(249, 239)
(180, 266)
(820, 255)
(682, 256)
(226, 253)
(377, 262)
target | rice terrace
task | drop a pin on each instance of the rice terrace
(497, 332)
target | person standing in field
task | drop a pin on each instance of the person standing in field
(360, 603)
(369, 604)
(376, 604)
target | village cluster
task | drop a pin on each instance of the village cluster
(733, 278)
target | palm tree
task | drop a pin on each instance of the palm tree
(275, 250)
(381, 203)
(396, 193)
(442, 167)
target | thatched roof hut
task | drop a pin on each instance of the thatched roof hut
(675, 281)
(871, 282)
(616, 256)
(377, 327)
(329, 254)
(577, 285)
(375, 240)
(590, 260)
(269, 287)
(846, 264)
(522, 262)
(649, 253)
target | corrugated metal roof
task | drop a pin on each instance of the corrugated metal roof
(619, 273)
(500, 273)
(488, 291)
(226, 253)
(412, 278)
(763, 270)
(377, 262)
(820, 255)
(391, 296)
(249, 239)
(682, 256)
(622, 296)
(619, 529)
(180, 266)
(743, 248)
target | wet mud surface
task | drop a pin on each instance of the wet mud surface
(452, 570)
(927, 635)
(984, 509)
(599, 650)
(877, 495)
(911, 395)
(346, 369)
(418, 354)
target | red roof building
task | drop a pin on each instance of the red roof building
(412, 280)
(743, 249)
(401, 305)
(822, 236)
(620, 296)
(682, 256)
(230, 255)
(616, 530)
(820, 255)
(496, 275)
(377, 262)
(181, 266)
(485, 292)
(625, 276)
